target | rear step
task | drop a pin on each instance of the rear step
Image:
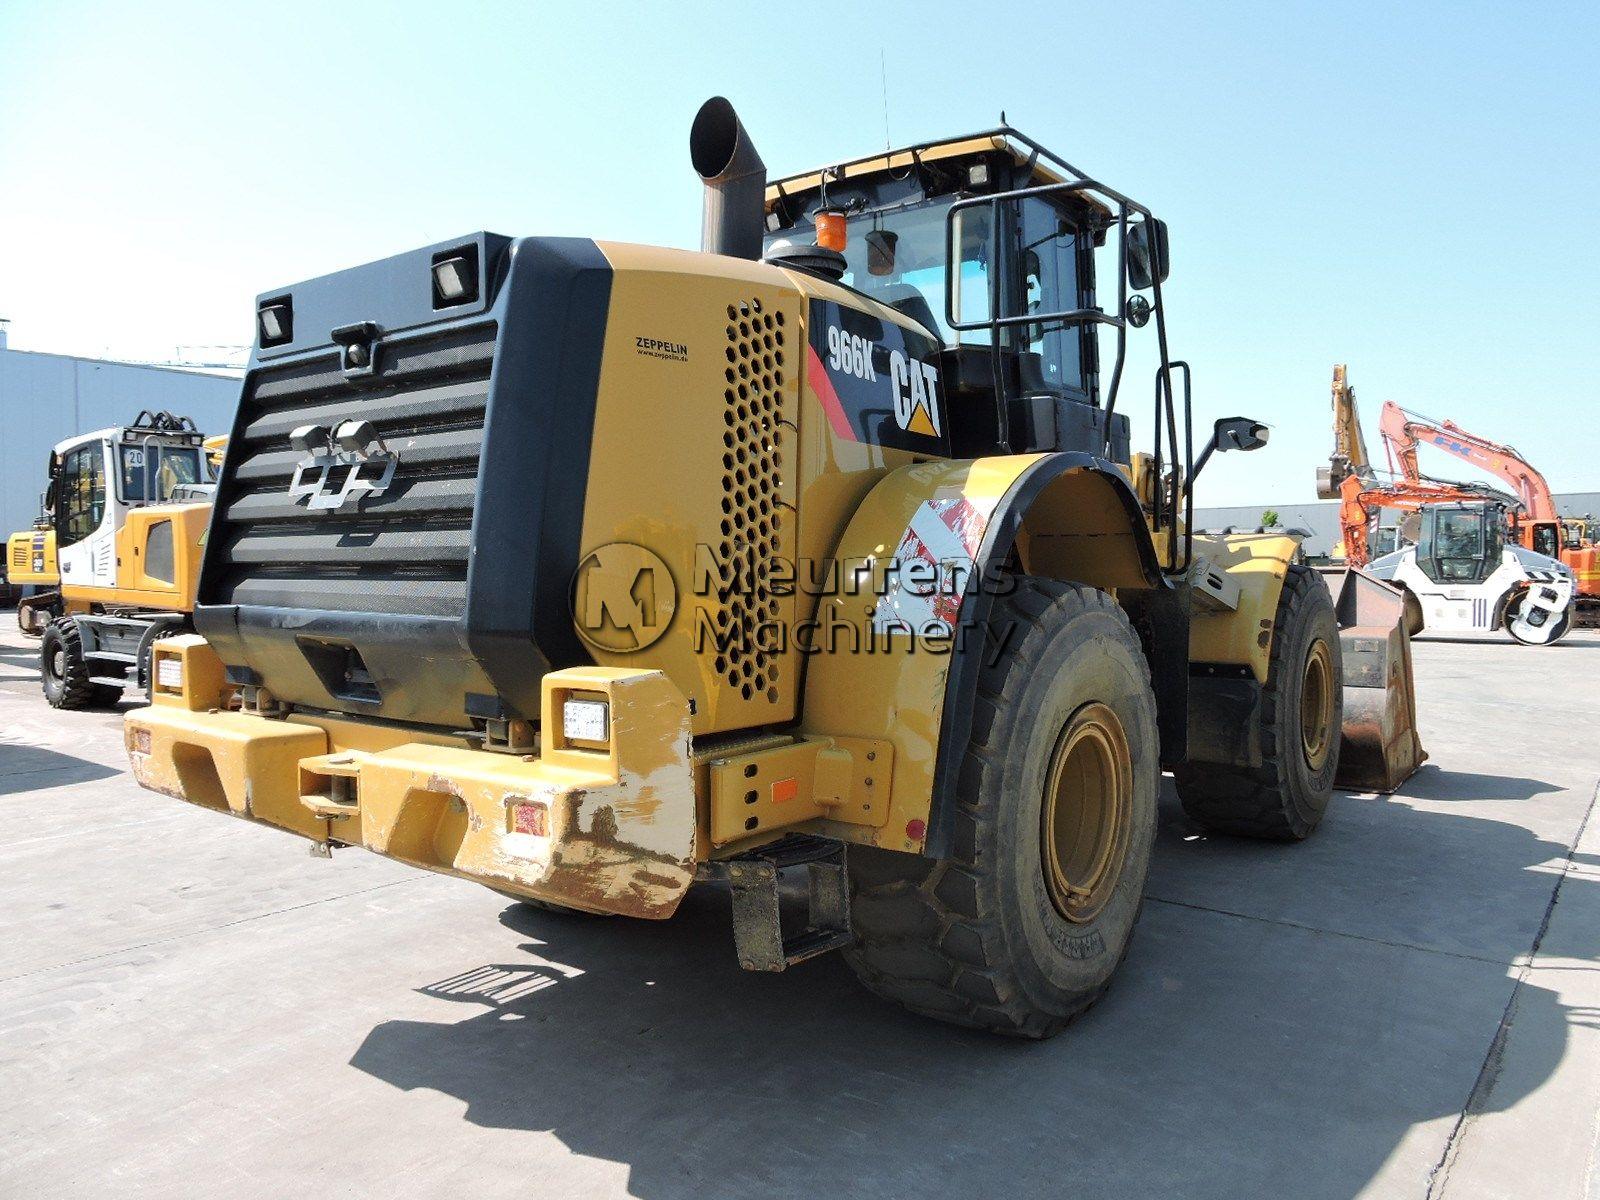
(110, 668)
(757, 923)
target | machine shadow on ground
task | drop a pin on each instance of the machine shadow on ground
(21, 658)
(1432, 782)
(1235, 1056)
(29, 768)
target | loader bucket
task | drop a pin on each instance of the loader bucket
(1380, 748)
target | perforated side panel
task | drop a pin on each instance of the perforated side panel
(752, 462)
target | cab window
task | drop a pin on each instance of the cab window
(80, 495)
(897, 256)
(1546, 541)
(150, 473)
(1051, 247)
(1458, 545)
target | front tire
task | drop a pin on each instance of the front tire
(1022, 927)
(1302, 716)
(64, 673)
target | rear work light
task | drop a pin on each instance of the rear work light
(169, 674)
(455, 277)
(275, 321)
(585, 721)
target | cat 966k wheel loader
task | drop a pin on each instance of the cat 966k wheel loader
(592, 571)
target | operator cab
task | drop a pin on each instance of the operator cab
(156, 460)
(1547, 539)
(1461, 543)
(987, 242)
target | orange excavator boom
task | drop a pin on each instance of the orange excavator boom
(1403, 431)
(1350, 477)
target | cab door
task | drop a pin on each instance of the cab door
(85, 519)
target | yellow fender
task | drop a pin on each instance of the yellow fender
(871, 673)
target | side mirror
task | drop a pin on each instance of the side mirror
(1147, 254)
(1230, 433)
(48, 502)
(1240, 433)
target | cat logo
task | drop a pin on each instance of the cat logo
(916, 394)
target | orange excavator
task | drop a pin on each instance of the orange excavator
(1351, 479)
(1535, 524)
(1459, 562)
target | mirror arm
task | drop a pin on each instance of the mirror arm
(1200, 462)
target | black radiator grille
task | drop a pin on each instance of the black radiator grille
(404, 551)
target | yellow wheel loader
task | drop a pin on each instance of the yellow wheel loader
(592, 572)
(115, 556)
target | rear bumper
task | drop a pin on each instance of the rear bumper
(606, 830)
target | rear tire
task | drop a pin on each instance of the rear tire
(1302, 715)
(64, 673)
(1022, 927)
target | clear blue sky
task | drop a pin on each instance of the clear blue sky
(1409, 188)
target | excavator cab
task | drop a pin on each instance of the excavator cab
(1546, 538)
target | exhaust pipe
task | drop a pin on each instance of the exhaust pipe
(736, 181)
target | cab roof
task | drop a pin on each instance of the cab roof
(1046, 167)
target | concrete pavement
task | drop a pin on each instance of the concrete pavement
(1408, 1005)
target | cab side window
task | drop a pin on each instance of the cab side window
(80, 495)
(1051, 248)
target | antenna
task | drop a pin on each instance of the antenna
(883, 71)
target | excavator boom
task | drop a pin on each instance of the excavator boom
(1404, 430)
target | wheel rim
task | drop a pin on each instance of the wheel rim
(1316, 705)
(1088, 802)
(58, 664)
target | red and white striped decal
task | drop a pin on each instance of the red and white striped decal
(944, 533)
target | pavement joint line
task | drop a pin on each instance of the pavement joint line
(1339, 933)
(189, 933)
(1489, 1072)
(75, 764)
(7, 847)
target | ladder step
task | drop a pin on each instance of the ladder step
(814, 942)
(758, 932)
(113, 656)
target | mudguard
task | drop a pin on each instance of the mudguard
(872, 672)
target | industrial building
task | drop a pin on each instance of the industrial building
(45, 398)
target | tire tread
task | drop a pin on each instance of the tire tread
(955, 945)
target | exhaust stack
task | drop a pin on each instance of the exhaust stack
(735, 178)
